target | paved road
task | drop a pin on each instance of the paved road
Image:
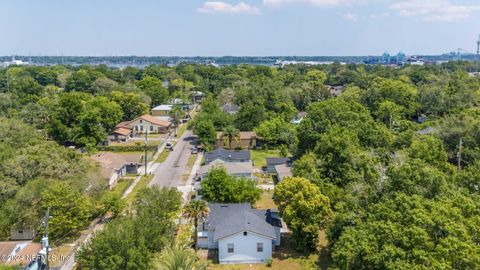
(170, 173)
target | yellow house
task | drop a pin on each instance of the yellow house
(162, 110)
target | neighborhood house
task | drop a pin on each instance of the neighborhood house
(239, 233)
(274, 161)
(228, 155)
(18, 253)
(128, 129)
(162, 110)
(238, 169)
(230, 108)
(282, 171)
(150, 124)
(245, 140)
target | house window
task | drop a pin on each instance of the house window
(230, 248)
(141, 121)
(245, 233)
(151, 128)
(136, 128)
(259, 247)
(141, 128)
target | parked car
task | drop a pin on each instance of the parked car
(194, 150)
(169, 145)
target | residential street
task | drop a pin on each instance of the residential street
(171, 172)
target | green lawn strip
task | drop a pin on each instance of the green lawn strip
(258, 156)
(181, 130)
(122, 185)
(143, 183)
(162, 156)
(266, 201)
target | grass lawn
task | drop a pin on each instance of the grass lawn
(136, 142)
(191, 161)
(258, 156)
(162, 156)
(181, 130)
(266, 201)
(264, 178)
(143, 183)
(121, 186)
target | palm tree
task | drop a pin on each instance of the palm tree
(179, 256)
(196, 209)
(230, 134)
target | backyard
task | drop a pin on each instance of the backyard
(259, 156)
(266, 201)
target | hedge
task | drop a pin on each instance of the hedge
(127, 148)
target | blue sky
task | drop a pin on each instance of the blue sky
(237, 27)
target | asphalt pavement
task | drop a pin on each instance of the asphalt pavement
(171, 172)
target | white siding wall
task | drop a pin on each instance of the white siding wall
(245, 248)
(146, 126)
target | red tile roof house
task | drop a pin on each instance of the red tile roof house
(125, 130)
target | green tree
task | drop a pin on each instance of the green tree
(304, 208)
(179, 256)
(111, 203)
(119, 246)
(250, 116)
(219, 186)
(196, 209)
(70, 209)
(131, 103)
(205, 132)
(154, 88)
(82, 81)
(276, 131)
(402, 231)
(156, 210)
(177, 114)
(396, 91)
(229, 135)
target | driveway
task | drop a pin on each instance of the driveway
(171, 172)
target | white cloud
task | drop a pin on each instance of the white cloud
(379, 16)
(222, 7)
(318, 3)
(350, 17)
(434, 10)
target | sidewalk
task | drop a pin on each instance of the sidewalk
(190, 181)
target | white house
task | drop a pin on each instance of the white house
(151, 124)
(241, 234)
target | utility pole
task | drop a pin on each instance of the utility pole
(146, 147)
(459, 154)
(176, 123)
(45, 239)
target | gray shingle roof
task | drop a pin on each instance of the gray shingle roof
(229, 219)
(230, 155)
(426, 131)
(277, 160)
(230, 108)
(230, 167)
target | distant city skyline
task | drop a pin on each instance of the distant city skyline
(237, 28)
